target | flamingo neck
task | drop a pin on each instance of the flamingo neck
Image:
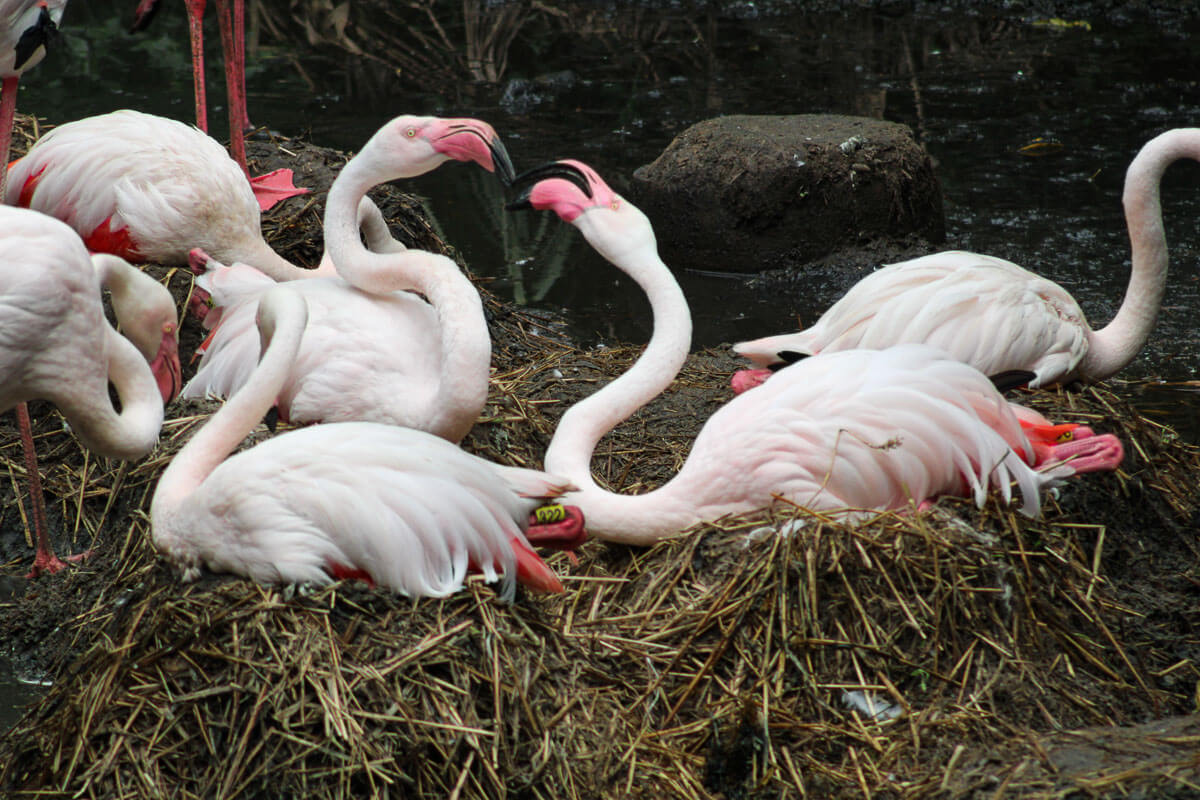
(1118, 342)
(633, 519)
(132, 298)
(133, 432)
(241, 413)
(258, 254)
(342, 215)
(466, 343)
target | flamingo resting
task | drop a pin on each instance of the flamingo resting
(405, 510)
(58, 346)
(993, 314)
(272, 187)
(149, 188)
(392, 358)
(26, 27)
(853, 430)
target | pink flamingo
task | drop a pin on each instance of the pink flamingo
(274, 186)
(853, 430)
(26, 26)
(403, 509)
(58, 346)
(421, 363)
(150, 188)
(391, 357)
(993, 314)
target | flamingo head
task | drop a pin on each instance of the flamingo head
(426, 142)
(165, 364)
(578, 195)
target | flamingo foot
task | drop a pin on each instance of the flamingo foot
(274, 187)
(745, 379)
(47, 563)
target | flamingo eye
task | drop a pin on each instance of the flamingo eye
(616, 204)
(1066, 437)
(411, 132)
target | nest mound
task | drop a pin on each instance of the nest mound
(956, 653)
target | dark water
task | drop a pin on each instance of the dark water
(974, 87)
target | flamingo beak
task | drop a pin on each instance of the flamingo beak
(168, 373)
(472, 140)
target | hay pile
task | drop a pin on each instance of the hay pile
(739, 661)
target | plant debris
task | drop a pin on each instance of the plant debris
(1049, 657)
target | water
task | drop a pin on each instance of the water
(975, 89)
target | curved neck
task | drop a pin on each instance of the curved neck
(258, 254)
(1117, 343)
(242, 412)
(635, 519)
(133, 432)
(466, 343)
(134, 294)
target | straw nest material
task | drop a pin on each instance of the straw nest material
(956, 653)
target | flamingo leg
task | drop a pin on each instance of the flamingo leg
(8, 111)
(235, 102)
(239, 52)
(45, 561)
(195, 12)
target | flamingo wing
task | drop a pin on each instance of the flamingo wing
(985, 311)
(408, 509)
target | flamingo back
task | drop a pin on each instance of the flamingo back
(409, 509)
(387, 348)
(167, 185)
(985, 311)
(865, 429)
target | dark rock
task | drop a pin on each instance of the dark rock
(748, 193)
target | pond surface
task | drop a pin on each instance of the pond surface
(974, 87)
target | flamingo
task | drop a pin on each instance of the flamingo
(391, 358)
(272, 187)
(58, 346)
(405, 510)
(399, 359)
(857, 429)
(26, 27)
(994, 314)
(149, 188)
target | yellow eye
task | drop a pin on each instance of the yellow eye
(1066, 437)
(411, 132)
(616, 204)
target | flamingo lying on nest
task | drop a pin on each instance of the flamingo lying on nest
(274, 186)
(58, 346)
(372, 352)
(401, 508)
(993, 314)
(853, 430)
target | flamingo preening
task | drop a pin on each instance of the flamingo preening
(274, 186)
(993, 314)
(150, 188)
(853, 430)
(405, 510)
(26, 27)
(58, 346)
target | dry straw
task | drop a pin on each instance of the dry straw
(778, 655)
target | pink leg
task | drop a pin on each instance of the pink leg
(195, 12)
(239, 51)
(45, 561)
(8, 111)
(236, 103)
